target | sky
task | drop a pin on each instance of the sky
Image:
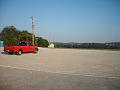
(65, 20)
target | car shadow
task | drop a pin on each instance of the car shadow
(6, 53)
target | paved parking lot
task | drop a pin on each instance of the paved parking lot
(61, 69)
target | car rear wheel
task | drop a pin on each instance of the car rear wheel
(10, 52)
(19, 52)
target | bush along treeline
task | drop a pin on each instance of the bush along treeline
(112, 45)
(12, 36)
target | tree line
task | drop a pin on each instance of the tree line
(112, 45)
(12, 36)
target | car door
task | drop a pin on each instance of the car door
(31, 47)
(24, 47)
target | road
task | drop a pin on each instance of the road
(61, 69)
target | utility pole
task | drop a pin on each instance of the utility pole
(33, 32)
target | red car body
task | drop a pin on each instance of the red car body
(22, 46)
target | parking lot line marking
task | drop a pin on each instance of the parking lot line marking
(64, 73)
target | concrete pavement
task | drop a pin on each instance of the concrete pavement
(61, 69)
(18, 79)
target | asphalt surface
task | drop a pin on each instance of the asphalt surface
(18, 79)
(61, 69)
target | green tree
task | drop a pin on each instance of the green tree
(25, 36)
(42, 42)
(9, 35)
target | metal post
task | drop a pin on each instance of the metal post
(33, 30)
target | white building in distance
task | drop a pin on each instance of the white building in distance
(51, 45)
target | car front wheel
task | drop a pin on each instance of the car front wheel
(36, 50)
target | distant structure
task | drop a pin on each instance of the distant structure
(51, 45)
(1, 43)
